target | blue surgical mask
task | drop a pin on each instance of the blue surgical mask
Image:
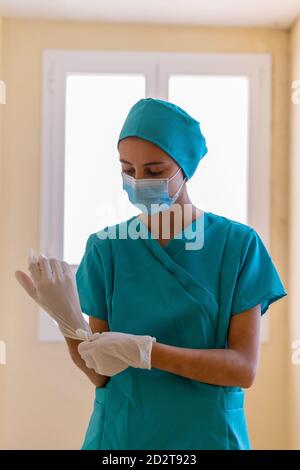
(151, 195)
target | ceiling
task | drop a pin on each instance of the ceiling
(259, 13)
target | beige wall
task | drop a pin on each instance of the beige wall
(294, 274)
(47, 401)
(2, 316)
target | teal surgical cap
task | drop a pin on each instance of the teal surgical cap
(170, 127)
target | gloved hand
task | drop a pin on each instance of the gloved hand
(102, 363)
(53, 287)
(102, 348)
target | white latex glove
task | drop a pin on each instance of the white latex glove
(53, 287)
(103, 348)
(102, 363)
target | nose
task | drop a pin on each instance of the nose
(139, 173)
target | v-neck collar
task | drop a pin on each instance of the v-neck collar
(178, 241)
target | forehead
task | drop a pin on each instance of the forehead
(136, 145)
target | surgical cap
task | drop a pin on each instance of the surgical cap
(170, 127)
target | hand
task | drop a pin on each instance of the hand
(52, 286)
(99, 360)
(101, 349)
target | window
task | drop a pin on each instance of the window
(87, 95)
(96, 106)
(221, 106)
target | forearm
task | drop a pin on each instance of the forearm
(97, 379)
(226, 367)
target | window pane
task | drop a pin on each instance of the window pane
(220, 104)
(96, 107)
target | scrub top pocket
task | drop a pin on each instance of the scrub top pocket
(94, 431)
(238, 437)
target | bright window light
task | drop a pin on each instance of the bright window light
(220, 103)
(96, 107)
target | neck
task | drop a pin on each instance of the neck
(187, 213)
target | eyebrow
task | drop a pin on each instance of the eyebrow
(145, 164)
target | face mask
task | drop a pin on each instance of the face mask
(151, 195)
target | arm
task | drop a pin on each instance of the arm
(234, 366)
(96, 325)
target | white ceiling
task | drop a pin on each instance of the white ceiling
(271, 13)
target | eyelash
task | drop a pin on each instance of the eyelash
(150, 172)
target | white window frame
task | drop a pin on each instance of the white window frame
(156, 66)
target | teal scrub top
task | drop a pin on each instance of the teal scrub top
(183, 298)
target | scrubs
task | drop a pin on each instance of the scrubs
(184, 298)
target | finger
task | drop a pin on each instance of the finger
(71, 335)
(116, 334)
(65, 267)
(82, 334)
(90, 363)
(39, 264)
(32, 256)
(87, 358)
(35, 272)
(84, 348)
(26, 282)
(94, 336)
(86, 354)
(116, 367)
(46, 271)
(56, 268)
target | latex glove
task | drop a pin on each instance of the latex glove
(102, 348)
(53, 287)
(102, 363)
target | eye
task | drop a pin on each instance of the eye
(128, 172)
(155, 173)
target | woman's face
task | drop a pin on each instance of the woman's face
(142, 159)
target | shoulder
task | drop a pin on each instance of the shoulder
(104, 238)
(244, 240)
(232, 227)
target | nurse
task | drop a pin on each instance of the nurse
(174, 297)
(187, 320)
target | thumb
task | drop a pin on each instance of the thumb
(26, 282)
(94, 336)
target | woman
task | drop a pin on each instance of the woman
(179, 312)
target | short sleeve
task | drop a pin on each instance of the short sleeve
(90, 280)
(258, 281)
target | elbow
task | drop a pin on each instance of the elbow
(248, 377)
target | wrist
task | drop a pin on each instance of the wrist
(156, 354)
